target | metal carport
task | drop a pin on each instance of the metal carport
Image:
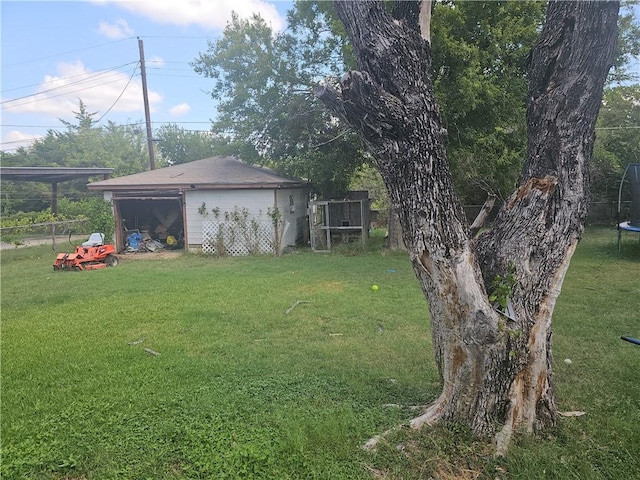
(52, 175)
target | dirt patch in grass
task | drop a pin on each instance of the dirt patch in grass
(158, 255)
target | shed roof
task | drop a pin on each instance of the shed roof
(208, 173)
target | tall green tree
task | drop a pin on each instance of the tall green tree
(178, 145)
(480, 52)
(83, 143)
(266, 112)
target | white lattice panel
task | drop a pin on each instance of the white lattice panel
(236, 239)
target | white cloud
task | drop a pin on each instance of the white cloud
(208, 14)
(115, 31)
(58, 94)
(14, 139)
(180, 109)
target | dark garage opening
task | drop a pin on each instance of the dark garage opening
(155, 217)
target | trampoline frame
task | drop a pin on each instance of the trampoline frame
(627, 226)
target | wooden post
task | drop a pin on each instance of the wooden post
(147, 115)
(54, 198)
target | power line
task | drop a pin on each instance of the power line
(631, 127)
(85, 79)
(166, 122)
(181, 123)
(176, 37)
(66, 53)
(171, 69)
(101, 71)
(193, 77)
(119, 96)
(21, 141)
(15, 125)
(97, 72)
(61, 94)
(59, 54)
(134, 124)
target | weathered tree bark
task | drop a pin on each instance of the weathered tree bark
(495, 370)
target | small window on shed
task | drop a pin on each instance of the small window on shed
(292, 204)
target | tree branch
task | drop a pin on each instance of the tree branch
(482, 215)
(425, 20)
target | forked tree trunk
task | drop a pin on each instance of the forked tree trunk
(495, 370)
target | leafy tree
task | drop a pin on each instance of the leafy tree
(367, 177)
(266, 111)
(628, 47)
(480, 54)
(617, 140)
(495, 364)
(123, 148)
(480, 51)
(178, 145)
(98, 211)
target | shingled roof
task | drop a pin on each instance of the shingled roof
(208, 173)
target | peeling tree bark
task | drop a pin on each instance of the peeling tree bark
(496, 372)
(482, 216)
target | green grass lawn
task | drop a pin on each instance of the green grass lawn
(243, 389)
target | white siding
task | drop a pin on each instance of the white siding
(256, 201)
(294, 215)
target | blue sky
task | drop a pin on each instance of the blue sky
(54, 53)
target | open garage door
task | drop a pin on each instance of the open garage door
(155, 216)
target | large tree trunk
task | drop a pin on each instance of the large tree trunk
(495, 369)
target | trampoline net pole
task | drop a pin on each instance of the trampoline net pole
(634, 182)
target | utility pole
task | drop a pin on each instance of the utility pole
(147, 115)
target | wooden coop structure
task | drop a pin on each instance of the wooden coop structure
(333, 222)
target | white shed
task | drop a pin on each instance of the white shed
(211, 204)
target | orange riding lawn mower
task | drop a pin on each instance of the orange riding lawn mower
(91, 255)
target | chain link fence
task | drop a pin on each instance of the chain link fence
(56, 234)
(600, 213)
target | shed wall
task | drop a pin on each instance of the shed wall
(292, 203)
(256, 201)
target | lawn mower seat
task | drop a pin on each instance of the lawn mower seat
(95, 240)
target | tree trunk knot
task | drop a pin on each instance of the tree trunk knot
(543, 185)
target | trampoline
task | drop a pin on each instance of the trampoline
(631, 176)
